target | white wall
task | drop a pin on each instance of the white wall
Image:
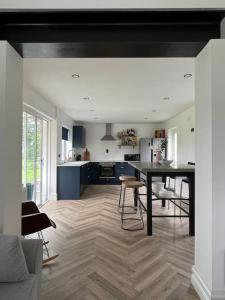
(209, 271)
(63, 120)
(94, 133)
(11, 74)
(185, 138)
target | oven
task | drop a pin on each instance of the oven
(107, 170)
(132, 157)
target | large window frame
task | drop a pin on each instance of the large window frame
(42, 158)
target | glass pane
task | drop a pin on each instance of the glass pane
(24, 151)
(30, 155)
(44, 160)
(38, 161)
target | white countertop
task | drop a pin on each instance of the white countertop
(81, 163)
(73, 164)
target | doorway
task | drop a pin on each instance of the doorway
(35, 156)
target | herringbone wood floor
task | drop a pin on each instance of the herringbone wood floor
(99, 260)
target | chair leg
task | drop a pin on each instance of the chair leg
(121, 189)
(49, 258)
(131, 219)
(122, 213)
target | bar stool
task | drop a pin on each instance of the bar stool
(132, 185)
(124, 178)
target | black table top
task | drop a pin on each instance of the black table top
(145, 167)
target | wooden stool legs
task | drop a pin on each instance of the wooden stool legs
(140, 218)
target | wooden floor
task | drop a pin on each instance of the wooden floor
(99, 260)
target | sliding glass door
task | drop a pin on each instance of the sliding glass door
(35, 157)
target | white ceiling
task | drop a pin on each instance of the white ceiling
(120, 90)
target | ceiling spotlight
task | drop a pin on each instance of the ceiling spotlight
(188, 75)
(86, 98)
(76, 75)
(166, 98)
(154, 110)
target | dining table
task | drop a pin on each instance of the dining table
(148, 171)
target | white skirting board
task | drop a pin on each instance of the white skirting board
(53, 196)
(202, 290)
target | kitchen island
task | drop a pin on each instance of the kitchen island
(151, 170)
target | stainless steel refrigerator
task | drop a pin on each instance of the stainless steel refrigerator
(148, 148)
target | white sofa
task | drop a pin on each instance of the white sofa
(28, 289)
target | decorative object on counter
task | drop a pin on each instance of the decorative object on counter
(160, 133)
(78, 157)
(158, 156)
(127, 137)
(163, 145)
(165, 162)
(160, 151)
(86, 155)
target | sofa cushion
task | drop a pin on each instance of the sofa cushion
(23, 290)
(13, 267)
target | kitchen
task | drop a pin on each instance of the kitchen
(121, 226)
(108, 169)
(95, 142)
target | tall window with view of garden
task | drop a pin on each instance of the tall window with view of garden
(35, 157)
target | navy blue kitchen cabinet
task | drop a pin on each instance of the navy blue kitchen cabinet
(79, 137)
(68, 183)
(123, 168)
(94, 173)
(72, 181)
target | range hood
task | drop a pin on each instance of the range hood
(108, 134)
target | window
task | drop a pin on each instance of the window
(66, 144)
(172, 144)
(35, 153)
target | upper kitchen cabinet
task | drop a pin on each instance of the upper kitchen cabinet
(79, 137)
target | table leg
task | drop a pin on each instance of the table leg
(137, 175)
(164, 201)
(192, 205)
(149, 203)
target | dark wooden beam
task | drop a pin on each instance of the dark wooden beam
(110, 33)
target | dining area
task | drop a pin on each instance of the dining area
(173, 185)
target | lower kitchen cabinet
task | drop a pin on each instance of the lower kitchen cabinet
(123, 168)
(72, 181)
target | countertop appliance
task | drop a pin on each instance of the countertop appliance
(107, 169)
(132, 157)
(148, 148)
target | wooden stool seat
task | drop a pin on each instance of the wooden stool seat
(126, 178)
(133, 184)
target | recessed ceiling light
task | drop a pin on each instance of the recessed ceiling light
(86, 98)
(188, 75)
(76, 75)
(166, 98)
(154, 110)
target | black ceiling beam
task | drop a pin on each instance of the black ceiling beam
(154, 33)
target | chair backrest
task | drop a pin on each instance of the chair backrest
(29, 208)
